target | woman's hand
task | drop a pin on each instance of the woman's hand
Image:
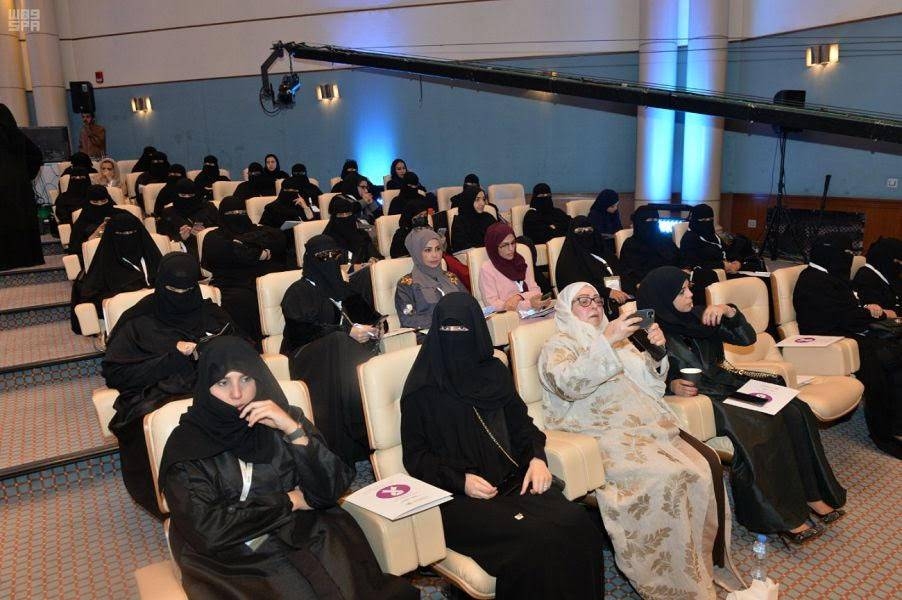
(265, 255)
(537, 479)
(714, 313)
(185, 232)
(655, 335)
(537, 303)
(267, 412)
(622, 327)
(186, 348)
(732, 266)
(875, 309)
(477, 487)
(298, 502)
(363, 333)
(513, 302)
(682, 387)
(299, 201)
(619, 296)
(890, 314)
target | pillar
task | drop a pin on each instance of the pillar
(46, 67)
(12, 79)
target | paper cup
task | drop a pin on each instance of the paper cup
(691, 374)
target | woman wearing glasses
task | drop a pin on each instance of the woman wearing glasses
(663, 502)
(506, 282)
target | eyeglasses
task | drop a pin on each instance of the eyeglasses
(587, 301)
(325, 255)
(506, 245)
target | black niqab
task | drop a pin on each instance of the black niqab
(233, 217)
(834, 253)
(177, 299)
(325, 274)
(704, 229)
(576, 261)
(143, 163)
(74, 196)
(186, 201)
(117, 263)
(542, 200)
(883, 256)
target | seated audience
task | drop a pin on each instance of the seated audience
(256, 185)
(543, 220)
(79, 160)
(329, 330)
(471, 180)
(415, 214)
(310, 190)
(505, 282)
(272, 171)
(465, 429)
(410, 190)
(645, 250)
(825, 304)
(472, 221)
(350, 166)
(110, 176)
(188, 215)
(209, 174)
(420, 290)
(397, 171)
(280, 533)
(779, 474)
(151, 359)
(97, 209)
(361, 189)
(167, 193)
(143, 163)
(236, 253)
(879, 282)
(595, 382)
(290, 205)
(126, 260)
(342, 228)
(157, 172)
(605, 216)
(585, 257)
(74, 197)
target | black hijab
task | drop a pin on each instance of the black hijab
(74, 196)
(398, 181)
(298, 169)
(325, 274)
(704, 229)
(181, 306)
(603, 221)
(124, 239)
(186, 200)
(348, 185)
(143, 163)
(98, 206)
(470, 221)
(343, 230)
(646, 231)
(413, 208)
(80, 160)
(233, 219)
(211, 426)
(882, 255)
(350, 166)
(576, 262)
(541, 200)
(461, 364)
(167, 193)
(158, 167)
(277, 173)
(658, 291)
(834, 253)
(210, 168)
(410, 187)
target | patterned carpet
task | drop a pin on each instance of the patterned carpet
(40, 335)
(51, 261)
(21, 296)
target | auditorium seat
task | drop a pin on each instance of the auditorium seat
(506, 195)
(200, 245)
(193, 173)
(325, 199)
(333, 181)
(125, 167)
(149, 195)
(678, 231)
(444, 195)
(303, 232)
(386, 226)
(221, 189)
(576, 208)
(131, 182)
(620, 237)
(518, 213)
(256, 206)
(387, 197)
(271, 289)
(554, 246)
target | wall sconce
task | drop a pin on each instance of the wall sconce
(823, 54)
(327, 92)
(141, 104)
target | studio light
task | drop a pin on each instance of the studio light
(288, 89)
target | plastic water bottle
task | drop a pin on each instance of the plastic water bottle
(759, 568)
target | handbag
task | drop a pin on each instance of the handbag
(513, 481)
(752, 374)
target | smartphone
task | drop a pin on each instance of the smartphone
(742, 396)
(648, 317)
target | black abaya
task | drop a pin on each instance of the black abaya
(20, 161)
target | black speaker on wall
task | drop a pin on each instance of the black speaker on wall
(82, 95)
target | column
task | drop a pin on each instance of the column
(654, 134)
(706, 70)
(46, 67)
(12, 79)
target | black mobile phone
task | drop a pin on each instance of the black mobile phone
(758, 400)
(648, 317)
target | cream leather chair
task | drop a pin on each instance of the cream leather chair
(302, 233)
(678, 231)
(73, 266)
(149, 195)
(387, 197)
(830, 397)
(271, 289)
(518, 213)
(131, 184)
(620, 237)
(576, 208)
(256, 206)
(192, 174)
(333, 181)
(695, 413)
(325, 199)
(554, 252)
(200, 246)
(444, 194)
(858, 261)
(221, 189)
(506, 195)
(386, 226)
(840, 358)
(118, 197)
(65, 229)
(125, 166)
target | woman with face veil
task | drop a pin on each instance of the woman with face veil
(143, 163)
(20, 162)
(253, 492)
(98, 208)
(658, 478)
(465, 429)
(126, 260)
(544, 221)
(257, 183)
(157, 172)
(167, 194)
(236, 253)
(780, 475)
(880, 280)
(74, 197)
(605, 216)
(189, 215)
(329, 330)
(209, 174)
(348, 168)
(645, 250)
(151, 359)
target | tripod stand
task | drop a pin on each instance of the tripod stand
(779, 217)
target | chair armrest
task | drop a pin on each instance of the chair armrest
(398, 341)
(150, 224)
(86, 313)
(159, 582)
(403, 545)
(541, 255)
(782, 368)
(65, 231)
(840, 358)
(73, 267)
(696, 415)
(501, 324)
(278, 364)
(575, 458)
(103, 399)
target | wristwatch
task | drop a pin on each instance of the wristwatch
(294, 435)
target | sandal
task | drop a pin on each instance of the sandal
(831, 517)
(802, 537)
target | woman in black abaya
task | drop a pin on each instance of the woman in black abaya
(779, 474)
(209, 174)
(189, 215)
(236, 253)
(126, 260)
(20, 162)
(329, 330)
(272, 171)
(74, 197)
(151, 359)
(605, 216)
(253, 492)
(543, 221)
(143, 163)
(167, 194)
(342, 228)
(79, 160)
(309, 189)
(256, 185)
(292, 204)
(645, 250)
(465, 429)
(157, 172)
(472, 221)
(98, 208)
(410, 190)
(349, 167)
(415, 215)
(878, 281)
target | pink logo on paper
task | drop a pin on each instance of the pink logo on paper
(804, 340)
(761, 395)
(392, 491)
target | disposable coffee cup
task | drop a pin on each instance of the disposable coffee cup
(691, 374)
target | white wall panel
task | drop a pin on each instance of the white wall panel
(767, 17)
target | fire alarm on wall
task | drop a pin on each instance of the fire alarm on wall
(98, 76)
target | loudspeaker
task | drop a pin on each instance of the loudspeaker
(790, 98)
(82, 95)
